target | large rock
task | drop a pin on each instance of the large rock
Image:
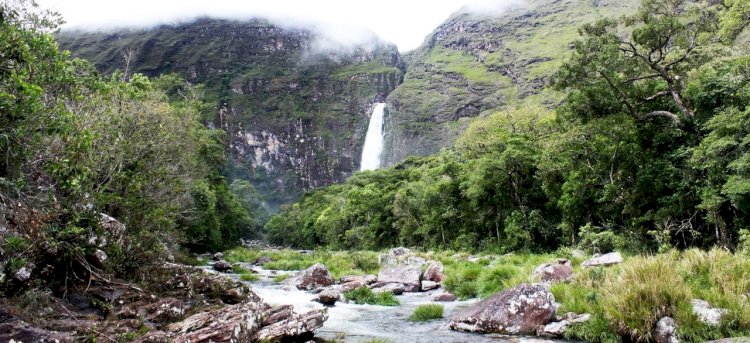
(234, 323)
(517, 311)
(393, 287)
(316, 276)
(328, 296)
(411, 277)
(434, 272)
(298, 327)
(560, 270)
(444, 297)
(666, 331)
(603, 260)
(222, 266)
(345, 287)
(429, 285)
(708, 315)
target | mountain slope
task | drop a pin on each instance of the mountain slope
(295, 110)
(473, 64)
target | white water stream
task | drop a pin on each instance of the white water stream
(373, 140)
(363, 323)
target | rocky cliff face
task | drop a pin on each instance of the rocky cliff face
(473, 65)
(294, 108)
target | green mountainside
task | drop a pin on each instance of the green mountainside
(473, 65)
(296, 114)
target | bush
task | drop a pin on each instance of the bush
(427, 312)
(364, 295)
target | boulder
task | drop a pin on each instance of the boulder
(666, 331)
(444, 297)
(411, 277)
(277, 314)
(558, 327)
(316, 276)
(707, 314)
(222, 266)
(434, 272)
(429, 285)
(603, 260)
(560, 270)
(516, 311)
(415, 261)
(328, 296)
(363, 279)
(165, 310)
(234, 295)
(217, 256)
(298, 327)
(350, 286)
(393, 287)
(234, 323)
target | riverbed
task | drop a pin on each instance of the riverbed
(348, 322)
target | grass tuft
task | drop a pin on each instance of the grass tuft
(364, 295)
(427, 312)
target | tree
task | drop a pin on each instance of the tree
(644, 74)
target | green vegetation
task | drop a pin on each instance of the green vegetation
(627, 300)
(75, 143)
(427, 312)
(641, 156)
(280, 278)
(339, 263)
(365, 296)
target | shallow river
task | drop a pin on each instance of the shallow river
(360, 323)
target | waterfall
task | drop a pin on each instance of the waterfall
(373, 140)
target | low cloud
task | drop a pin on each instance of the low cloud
(340, 23)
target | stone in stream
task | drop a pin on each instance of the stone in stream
(217, 256)
(328, 296)
(222, 266)
(393, 287)
(444, 297)
(366, 279)
(603, 260)
(560, 270)
(410, 277)
(666, 331)
(345, 287)
(317, 276)
(434, 272)
(517, 311)
(429, 285)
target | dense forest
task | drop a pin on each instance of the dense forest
(648, 151)
(76, 145)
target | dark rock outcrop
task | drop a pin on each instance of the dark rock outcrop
(520, 310)
(316, 276)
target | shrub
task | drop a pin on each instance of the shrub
(364, 295)
(427, 312)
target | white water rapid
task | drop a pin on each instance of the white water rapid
(373, 140)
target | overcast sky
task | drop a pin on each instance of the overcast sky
(403, 22)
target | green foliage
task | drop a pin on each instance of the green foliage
(364, 295)
(427, 312)
(280, 278)
(339, 263)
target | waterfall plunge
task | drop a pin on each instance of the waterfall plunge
(373, 140)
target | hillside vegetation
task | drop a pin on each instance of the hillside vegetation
(647, 152)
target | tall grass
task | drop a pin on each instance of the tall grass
(427, 312)
(627, 300)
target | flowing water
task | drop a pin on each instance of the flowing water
(373, 140)
(363, 323)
